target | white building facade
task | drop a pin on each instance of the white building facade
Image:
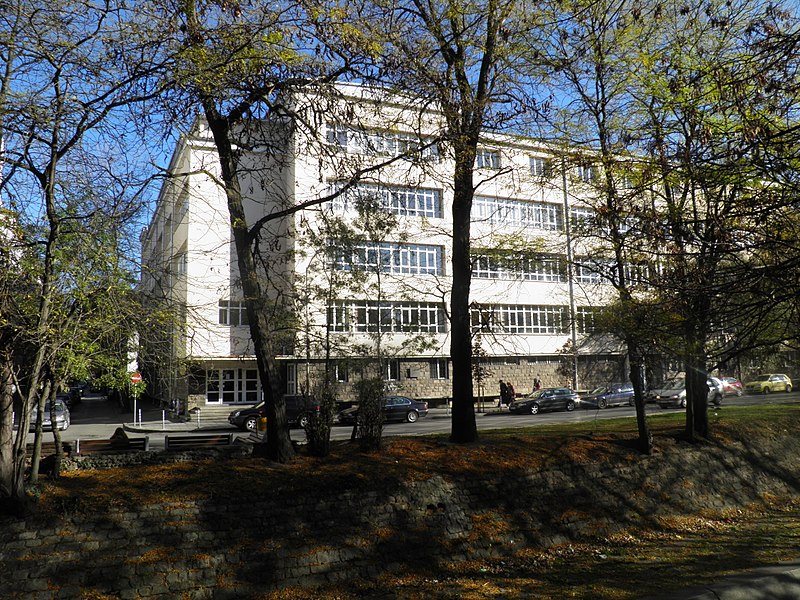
(362, 270)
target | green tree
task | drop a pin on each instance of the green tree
(458, 58)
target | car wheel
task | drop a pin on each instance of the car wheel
(682, 403)
(739, 393)
(251, 423)
(788, 389)
(302, 421)
(766, 390)
(631, 402)
(534, 409)
(412, 416)
(570, 405)
(601, 403)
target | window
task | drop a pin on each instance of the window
(341, 373)
(232, 313)
(402, 201)
(232, 385)
(588, 272)
(379, 143)
(541, 167)
(487, 159)
(399, 317)
(439, 369)
(585, 319)
(539, 215)
(521, 319)
(412, 259)
(393, 370)
(529, 267)
(580, 215)
(291, 379)
(587, 173)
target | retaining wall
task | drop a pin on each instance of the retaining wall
(227, 548)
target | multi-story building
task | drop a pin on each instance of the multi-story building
(364, 266)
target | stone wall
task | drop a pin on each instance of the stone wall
(240, 547)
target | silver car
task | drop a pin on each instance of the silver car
(62, 415)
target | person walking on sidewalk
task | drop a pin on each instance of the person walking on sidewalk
(503, 394)
(511, 394)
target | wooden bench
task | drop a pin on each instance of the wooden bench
(193, 442)
(49, 448)
(84, 447)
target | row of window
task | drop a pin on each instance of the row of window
(410, 259)
(426, 259)
(422, 317)
(406, 201)
(391, 143)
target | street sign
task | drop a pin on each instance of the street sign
(136, 377)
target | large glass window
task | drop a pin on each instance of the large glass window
(508, 265)
(367, 316)
(399, 200)
(521, 319)
(539, 215)
(412, 259)
(379, 143)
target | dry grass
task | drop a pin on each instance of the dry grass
(628, 565)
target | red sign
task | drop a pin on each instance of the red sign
(136, 378)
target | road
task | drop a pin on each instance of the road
(97, 418)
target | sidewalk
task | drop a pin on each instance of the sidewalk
(779, 582)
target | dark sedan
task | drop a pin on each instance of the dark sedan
(616, 394)
(545, 399)
(395, 408)
(298, 411)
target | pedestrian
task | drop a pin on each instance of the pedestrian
(503, 394)
(537, 384)
(511, 393)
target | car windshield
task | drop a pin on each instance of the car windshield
(675, 384)
(761, 378)
(599, 390)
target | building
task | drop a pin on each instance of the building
(366, 270)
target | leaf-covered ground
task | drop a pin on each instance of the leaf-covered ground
(682, 553)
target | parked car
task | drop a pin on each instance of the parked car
(395, 408)
(732, 386)
(768, 383)
(673, 393)
(298, 412)
(614, 394)
(62, 415)
(545, 399)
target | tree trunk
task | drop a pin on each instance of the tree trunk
(279, 443)
(463, 426)
(637, 379)
(12, 482)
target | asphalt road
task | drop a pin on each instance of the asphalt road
(97, 418)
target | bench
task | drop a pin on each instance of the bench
(49, 448)
(193, 442)
(84, 447)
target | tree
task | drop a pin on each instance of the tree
(60, 92)
(457, 58)
(590, 58)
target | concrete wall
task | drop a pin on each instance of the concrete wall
(241, 547)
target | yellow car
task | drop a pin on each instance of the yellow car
(771, 382)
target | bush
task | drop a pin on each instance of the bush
(370, 413)
(318, 430)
